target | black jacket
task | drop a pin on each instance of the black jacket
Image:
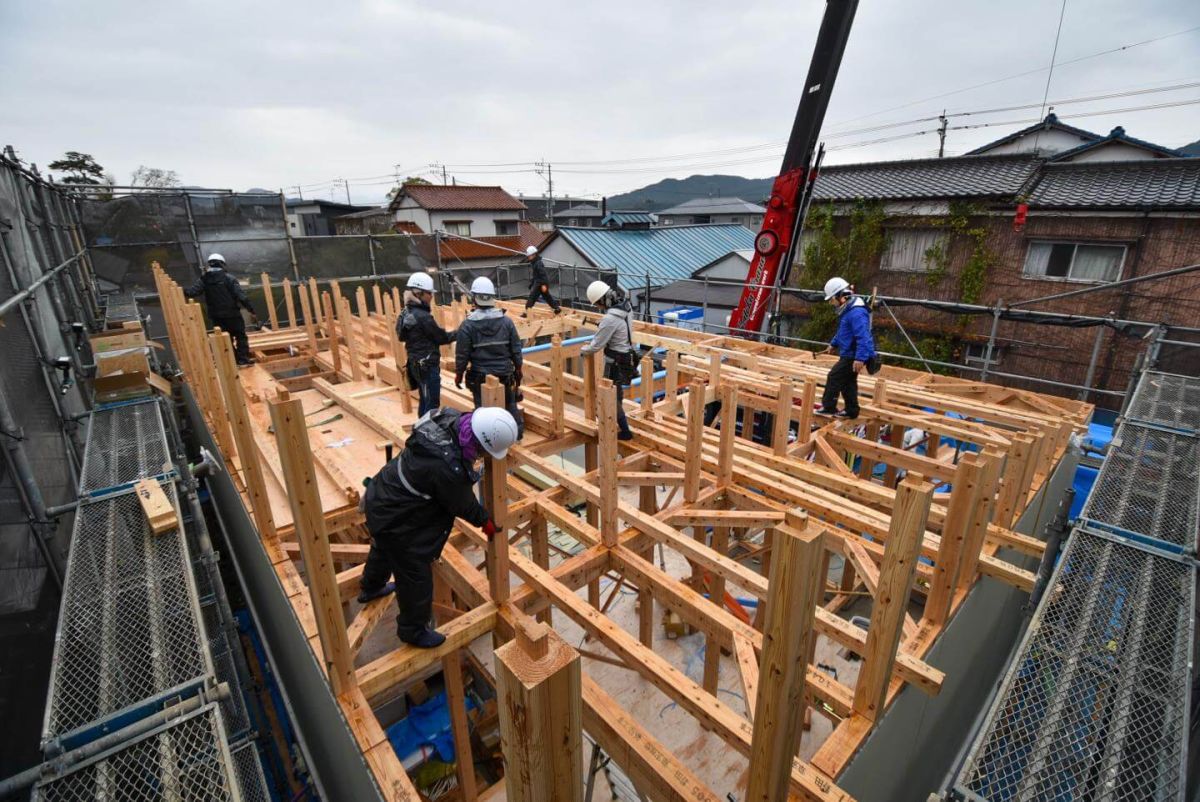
(420, 333)
(538, 273)
(432, 463)
(222, 294)
(489, 343)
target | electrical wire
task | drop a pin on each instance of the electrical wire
(1050, 72)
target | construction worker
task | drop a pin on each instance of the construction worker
(488, 345)
(855, 347)
(423, 338)
(411, 505)
(614, 336)
(539, 282)
(224, 299)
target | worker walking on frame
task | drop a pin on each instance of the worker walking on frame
(423, 339)
(539, 282)
(488, 345)
(224, 299)
(614, 336)
(411, 505)
(855, 346)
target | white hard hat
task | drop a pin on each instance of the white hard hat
(420, 281)
(495, 429)
(483, 291)
(835, 286)
(531, 250)
(597, 290)
(216, 257)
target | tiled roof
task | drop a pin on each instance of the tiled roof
(715, 206)
(666, 254)
(582, 210)
(1150, 183)
(365, 213)
(407, 227)
(1117, 135)
(457, 198)
(957, 177)
(1051, 122)
(492, 247)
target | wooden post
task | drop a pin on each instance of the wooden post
(269, 300)
(331, 331)
(400, 357)
(964, 498)
(866, 465)
(314, 298)
(897, 441)
(672, 367)
(981, 515)
(795, 587)
(362, 312)
(607, 438)
(289, 304)
(295, 455)
(538, 684)
(310, 327)
(556, 386)
(539, 548)
(495, 500)
(729, 399)
(783, 418)
(1014, 472)
(235, 402)
(377, 297)
(647, 386)
(456, 703)
(695, 441)
(347, 322)
(589, 385)
(716, 594)
(900, 553)
(804, 434)
(647, 503)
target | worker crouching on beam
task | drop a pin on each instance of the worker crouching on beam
(411, 505)
(614, 336)
(855, 346)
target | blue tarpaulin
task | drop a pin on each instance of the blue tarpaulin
(427, 725)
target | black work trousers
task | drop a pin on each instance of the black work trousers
(843, 381)
(536, 292)
(236, 328)
(414, 584)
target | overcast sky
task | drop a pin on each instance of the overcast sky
(275, 94)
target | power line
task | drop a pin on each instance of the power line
(1050, 73)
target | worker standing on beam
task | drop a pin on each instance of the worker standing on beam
(488, 345)
(539, 282)
(423, 338)
(411, 505)
(855, 346)
(614, 336)
(224, 299)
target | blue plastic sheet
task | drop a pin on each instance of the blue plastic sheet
(426, 725)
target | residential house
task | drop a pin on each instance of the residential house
(628, 220)
(1041, 211)
(708, 296)
(314, 218)
(714, 210)
(542, 211)
(636, 255)
(376, 220)
(463, 211)
(468, 258)
(584, 215)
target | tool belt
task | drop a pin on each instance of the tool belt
(420, 367)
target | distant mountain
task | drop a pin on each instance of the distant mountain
(673, 191)
(1192, 149)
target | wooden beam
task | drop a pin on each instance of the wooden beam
(964, 499)
(796, 587)
(695, 428)
(891, 599)
(743, 650)
(539, 696)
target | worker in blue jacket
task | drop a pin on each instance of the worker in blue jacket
(855, 347)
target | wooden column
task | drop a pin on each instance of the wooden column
(716, 594)
(456, 703)
(587, 362)
(981, 515)
(1014, 472)
(289, 304)
(239, 418)
(377, 297)
(295, 455)
(964, 498)
(539, 690)
(400, 357)
(539, 548)
(714, 371)
(672, 367)
(331, 330)
(729, 398)
(314, 298)
(783, 418)
(269, 300)
(347, 321)
(647, 386)
(607, 438)
(557, 368)
(795, 587)
(495, 500)
(310, 327)
(647, 503)
(804, 433)
(695, 437)
(900, 552)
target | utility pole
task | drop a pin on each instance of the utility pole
(942, 134)
(300, 193)
(549, 176)
(346, 183)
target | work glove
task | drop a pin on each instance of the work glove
(489, 528)
(458, 379)
(517, 376)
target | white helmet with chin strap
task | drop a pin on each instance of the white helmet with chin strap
(420, 281)
(483, 291)
(495, 429)
(531, 250)
(216, 260)
(835, 287)
(597, 291)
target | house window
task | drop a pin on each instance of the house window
(668, 221)
(976, 354)
(700, 219)
(756, 221)
(1074, 261)
(460, 227)
(504, 228)
(908, 249)
(735, 220)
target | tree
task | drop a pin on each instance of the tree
(153, 177)
(80, 168)
(410, 181)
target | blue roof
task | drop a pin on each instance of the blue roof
(624, 218)
(666, 254)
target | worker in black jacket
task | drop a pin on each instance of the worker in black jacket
(488, 345)
(411, 505)
(539, 282)
(224, 299)
(423, 339)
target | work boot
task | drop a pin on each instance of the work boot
(425, 639)
(558, 311)
(365, 595)
(843, 414)
(525, 314)
(625, 435)
(820, 410)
